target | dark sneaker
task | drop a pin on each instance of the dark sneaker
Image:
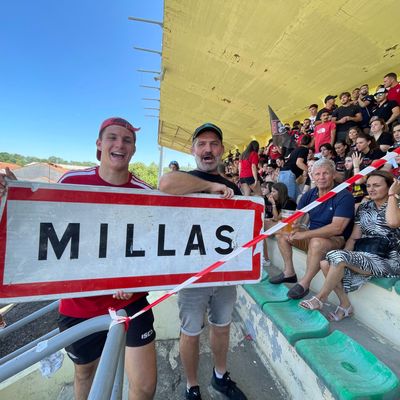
(227, 386)
(193, 393)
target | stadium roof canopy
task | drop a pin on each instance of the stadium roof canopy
(226, 61)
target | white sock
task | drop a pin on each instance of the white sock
(218, 375)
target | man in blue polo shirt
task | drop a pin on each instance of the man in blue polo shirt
(329, 226)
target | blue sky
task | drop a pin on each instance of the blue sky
(67, 65)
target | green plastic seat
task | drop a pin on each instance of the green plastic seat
(265, 292)
(348, 369)
(264, 275)
(397, 287)
(385, 283)
(296, 323)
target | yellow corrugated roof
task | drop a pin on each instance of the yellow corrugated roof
(226, 61)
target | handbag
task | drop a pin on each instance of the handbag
(378, 245)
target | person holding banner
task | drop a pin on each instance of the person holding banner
(115, 148)
(207, 149)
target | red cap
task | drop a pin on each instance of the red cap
(116, 121)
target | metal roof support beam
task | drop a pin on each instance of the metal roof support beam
(149, 72)
(147, 21)
(147, 99)
(148, 50)
(149, 87)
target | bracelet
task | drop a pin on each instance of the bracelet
(274, 205)
(392, 194)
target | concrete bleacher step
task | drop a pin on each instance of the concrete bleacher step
(348, 369)
(264, 292)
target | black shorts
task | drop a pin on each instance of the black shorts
(249, 181)
(89, 348)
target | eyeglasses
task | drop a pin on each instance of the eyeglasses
(380, 94)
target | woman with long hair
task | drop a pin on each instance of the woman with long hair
(248, 173)
(352, 136)
(371, 250)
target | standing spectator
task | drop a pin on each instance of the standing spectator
(367, 103)
(273, 152)
(295, 166)
(393, 87)
(355, 94)
(382, 138)
(313, 108)
(329, 228)
(193, 303)
(248, 170)
(352, 136)
(325, 132)
(386, 109)
(173, 166)
(345, 116)
(330, 107)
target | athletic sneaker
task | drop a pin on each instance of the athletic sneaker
(193, 393)
(227, 386)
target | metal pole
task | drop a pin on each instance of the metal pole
(148, 21)
(50, 346)
(160, 165)
(19, 324)
(104, 379)
(116, 393)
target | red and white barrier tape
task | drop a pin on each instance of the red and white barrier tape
(299, 213)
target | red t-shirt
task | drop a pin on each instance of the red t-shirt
(88, 307)
(245, 165)
(322, 134)
(273, 152)
(394, 94)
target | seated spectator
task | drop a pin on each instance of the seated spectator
(265, 192)
(295, 166)
(392, 86)
(367, 103)
(269, 172)
(378, 131)
(345, 116)
(324, 132)
(248, 170)
(372, 249)
(309, 182)
(329, 227)
(356, 190)
(352, 135)
(173, 166)
(396, 135)
(386, 109)
(327, 151)
(279, 200)
(341, 149)
(330, 107)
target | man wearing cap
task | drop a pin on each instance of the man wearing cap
(345, 116)
(330, 107)
(386, 109)
(207, 148)
(115, 148)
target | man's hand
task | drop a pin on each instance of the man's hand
(121, 295)
(297, 235)
(220, 188)
(9, 175)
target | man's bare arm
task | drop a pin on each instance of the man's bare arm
(335, 228)
(182, 183)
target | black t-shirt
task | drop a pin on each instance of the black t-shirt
(290, 165)
(369, 157)
(322, 110)
(385, 138)
(349, 111)
(289, 204)
(268, 209)
(339, 163)
(215, 178)
(384, 111)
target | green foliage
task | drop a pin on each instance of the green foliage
(23, 160)
(148, 173)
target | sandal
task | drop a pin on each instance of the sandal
(346, 312)
(312, 304)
